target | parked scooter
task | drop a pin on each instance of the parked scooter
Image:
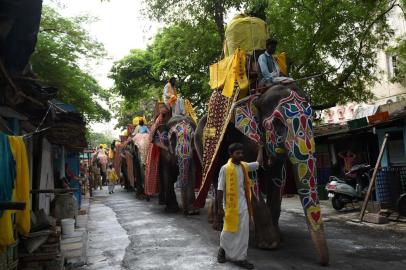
(350, 189)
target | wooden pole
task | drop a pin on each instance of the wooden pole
(372, 181)
(12, 205)
(57, 190)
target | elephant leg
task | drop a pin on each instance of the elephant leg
(170, 195)
(217, 219)
(274, 199)
(275, 188)
(305, 177)
(162, 180)
(190, 191)
(266, 215)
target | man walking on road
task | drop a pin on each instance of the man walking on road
(234, 188)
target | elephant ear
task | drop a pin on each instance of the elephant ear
(246, 118)
(160, 137)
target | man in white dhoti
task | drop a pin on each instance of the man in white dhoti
(234, 188)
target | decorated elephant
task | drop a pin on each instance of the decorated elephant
(280, 119)
(177, 163)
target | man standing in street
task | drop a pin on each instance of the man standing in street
(234, 203)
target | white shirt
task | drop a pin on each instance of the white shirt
(242, 202)
(166, 94)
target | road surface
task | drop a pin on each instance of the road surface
(125, 233)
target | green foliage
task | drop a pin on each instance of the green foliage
(62, 44)
(183, 50)
(340, 37)
(96, 138)
(192, 10)
(400, 51)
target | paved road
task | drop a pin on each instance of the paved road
(125, 233)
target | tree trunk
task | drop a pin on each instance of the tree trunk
(219, 18)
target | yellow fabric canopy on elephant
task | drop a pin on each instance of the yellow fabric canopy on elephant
(281, 59)
(248, 33)
(189, 110)
(225, 73)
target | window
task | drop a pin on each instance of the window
(392, 66)
(396, 149)
(395, 65)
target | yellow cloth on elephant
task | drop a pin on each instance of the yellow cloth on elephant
(248, 33)
(111, 153)
(21, 193)
(189, 110)
(281, 60)
(228, 71)
(231, 212)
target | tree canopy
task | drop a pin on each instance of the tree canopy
(400, 51)
(337, 38)
(184, 50)
(63, 44)
(192, 10)
(97, 138)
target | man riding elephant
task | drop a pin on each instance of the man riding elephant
(171, 99)
(270, 70)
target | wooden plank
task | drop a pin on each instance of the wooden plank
(12, 205)
(372, 181)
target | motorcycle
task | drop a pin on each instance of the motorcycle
(350, 189)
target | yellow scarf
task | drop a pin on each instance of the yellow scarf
(231, 213)
(172, 95)
(21, 193)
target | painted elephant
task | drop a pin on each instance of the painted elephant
(177, 163)
(141, 141)
(283, 121)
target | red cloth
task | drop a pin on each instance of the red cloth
(130, 169)
(198, 174)
(117, 159)
(152, 171)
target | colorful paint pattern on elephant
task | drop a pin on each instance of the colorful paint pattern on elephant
(294, 114)
(183, 150)
(245, 117)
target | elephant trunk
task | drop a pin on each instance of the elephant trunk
(320, 243)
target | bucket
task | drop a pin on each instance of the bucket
(68, 226)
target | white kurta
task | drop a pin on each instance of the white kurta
(178, 107)
(235, 244)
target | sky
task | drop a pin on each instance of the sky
(120, 26)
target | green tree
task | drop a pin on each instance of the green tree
(340, 38)
(337, 38)
(184, 50)
(192, 10)
(400, 51)
(62, 45)
(97, 138)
